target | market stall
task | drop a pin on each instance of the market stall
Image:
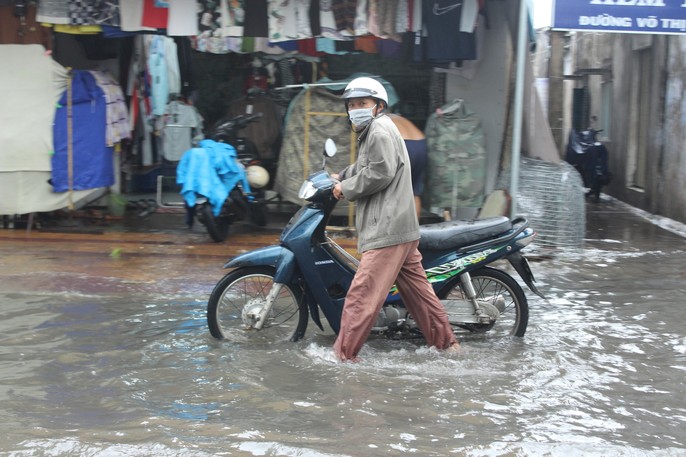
(204, 58)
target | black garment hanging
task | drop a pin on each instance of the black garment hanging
(445, 43)
(315, 24)
(184, 53)
(256, 19)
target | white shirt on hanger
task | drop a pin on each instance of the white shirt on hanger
(182, 123)
(470, 12)
(290, 22)
(183, 18)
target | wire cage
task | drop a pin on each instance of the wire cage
(551, 196)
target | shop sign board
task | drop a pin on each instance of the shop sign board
(666, 17)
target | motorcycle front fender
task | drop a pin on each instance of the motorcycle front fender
(521, 265)
(274, 256)
(284, 261)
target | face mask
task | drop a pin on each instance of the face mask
(361, 117)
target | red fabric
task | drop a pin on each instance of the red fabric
(134, 106)
(153, 16)
(255, 81)
(367, 43)
(308, 46)
(410, 14)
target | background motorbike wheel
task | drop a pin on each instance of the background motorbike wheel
(490, 284)
(246, 289)
(217, 226)
(258, 213)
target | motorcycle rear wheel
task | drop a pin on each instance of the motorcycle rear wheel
(247, 288)
(217, 226)
(258, 213)
(490, 284)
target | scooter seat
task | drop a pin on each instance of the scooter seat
(456, 234)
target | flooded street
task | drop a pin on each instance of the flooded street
(104, 350)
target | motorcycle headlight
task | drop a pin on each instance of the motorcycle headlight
(307, 190)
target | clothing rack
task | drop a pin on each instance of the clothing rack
(308, 85)
(306, 137)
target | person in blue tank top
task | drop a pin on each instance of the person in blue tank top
(415, 141)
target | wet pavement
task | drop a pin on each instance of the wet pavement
(104, 350)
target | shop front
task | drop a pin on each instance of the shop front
(153, 78)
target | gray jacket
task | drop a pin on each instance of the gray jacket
(380, 182)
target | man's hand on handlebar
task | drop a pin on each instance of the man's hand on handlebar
(337, 191)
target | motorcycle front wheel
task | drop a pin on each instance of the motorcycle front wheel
(495, 287)
(244, 291)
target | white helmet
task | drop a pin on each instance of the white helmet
(365, 87)
(258, 177)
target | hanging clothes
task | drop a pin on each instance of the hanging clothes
(163, 66)
(154, 16)
(181, 124)
(232, 17)
(288, 20)
(117, 115)
(457, 157)
(93, 12)
(344, 12)
(327, 22)
(53, 12)
(386, 18)
(256, 20)
(184, 54)
(131, 16)
(159, 78)
(361, 18)
(182, 19)
(445, 42)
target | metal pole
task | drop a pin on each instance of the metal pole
(518, 105)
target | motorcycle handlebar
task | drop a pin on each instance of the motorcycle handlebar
(235, 123)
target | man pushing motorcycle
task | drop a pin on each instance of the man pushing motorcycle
(380, 182)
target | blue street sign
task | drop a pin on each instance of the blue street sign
(627, 16)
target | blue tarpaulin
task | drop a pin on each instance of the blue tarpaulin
(212, 171)
(92, 161)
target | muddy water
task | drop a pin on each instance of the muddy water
(110, 355)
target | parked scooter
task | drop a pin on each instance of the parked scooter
(238, 191)
(590, 158)
(273, 291)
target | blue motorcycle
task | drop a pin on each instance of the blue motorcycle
(274, 291)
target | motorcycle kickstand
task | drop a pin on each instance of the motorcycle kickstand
(468, 287)
(271, 296)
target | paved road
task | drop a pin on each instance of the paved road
(143, 252)
(104, 350)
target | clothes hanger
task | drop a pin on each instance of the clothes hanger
(450, 107)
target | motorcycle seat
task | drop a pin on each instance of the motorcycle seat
(456, 234)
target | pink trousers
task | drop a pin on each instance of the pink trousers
(378, 270)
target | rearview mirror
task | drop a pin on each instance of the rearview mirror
(330, 148)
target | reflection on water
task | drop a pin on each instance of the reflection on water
(600, 372)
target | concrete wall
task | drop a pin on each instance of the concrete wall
(672, 159)
(487, 92)
(490, 93)
(657, 65)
